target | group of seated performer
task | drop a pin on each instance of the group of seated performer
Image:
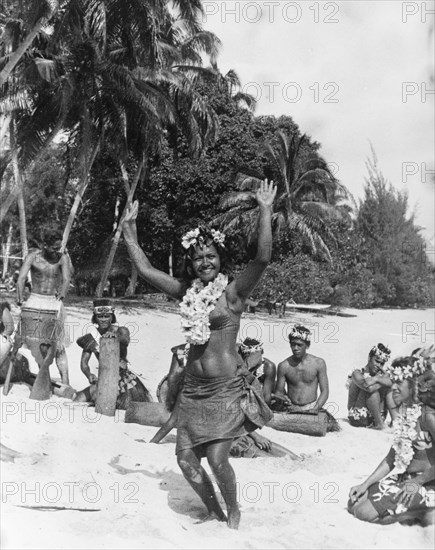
(130, 387)
(370, 391)
(402, 487)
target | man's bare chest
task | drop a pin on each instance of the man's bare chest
(301, 373)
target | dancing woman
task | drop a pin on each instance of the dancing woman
(213, 407)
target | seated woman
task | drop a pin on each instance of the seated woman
(251, 351)
(402, 487)
(264, 370)
(130, 388)
(370, 393)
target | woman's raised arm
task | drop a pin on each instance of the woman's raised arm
(153, 276)
(246, 282)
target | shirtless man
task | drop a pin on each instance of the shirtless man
(51, 274)
(304, 374)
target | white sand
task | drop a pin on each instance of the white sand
(72, 458)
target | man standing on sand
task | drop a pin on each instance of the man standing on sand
(51, 274)
(304, 374)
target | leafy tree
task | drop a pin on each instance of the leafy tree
(308, 194)
(394, 245)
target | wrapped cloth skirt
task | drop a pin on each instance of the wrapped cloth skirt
(212, 409)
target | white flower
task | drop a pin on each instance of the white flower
(190, 238)
(218, 237)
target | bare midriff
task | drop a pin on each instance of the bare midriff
(217, 358)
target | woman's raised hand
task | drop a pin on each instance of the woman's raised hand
(131, 213)
(266, 194)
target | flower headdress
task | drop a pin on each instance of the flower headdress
(408, 368)
(301, 332)
(202, 235)
(250, 345)
(380, 352)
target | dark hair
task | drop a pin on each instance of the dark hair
(250, 342)
(187, 273)
(381, 347)
(303, 330)
(404, 361)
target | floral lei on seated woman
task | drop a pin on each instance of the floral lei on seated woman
(405, 432)
(199, 300)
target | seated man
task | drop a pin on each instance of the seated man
(129, 386)
(370, 394)
(304, 375)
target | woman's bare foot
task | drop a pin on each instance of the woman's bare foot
(234, 518)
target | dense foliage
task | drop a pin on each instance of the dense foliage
(123, 82)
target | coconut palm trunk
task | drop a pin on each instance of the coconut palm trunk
(117, 236)
(87, 165)
(15, 191)
(17, 54)
(19, 184)
(7, 251)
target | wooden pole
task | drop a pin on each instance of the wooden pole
(108, 375)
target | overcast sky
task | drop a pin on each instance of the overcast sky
(349, 73)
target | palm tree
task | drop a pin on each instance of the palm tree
(308, 195)
(36, 18)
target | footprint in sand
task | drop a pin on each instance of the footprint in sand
(10, 455)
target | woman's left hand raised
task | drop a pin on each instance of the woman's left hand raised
(266, 194)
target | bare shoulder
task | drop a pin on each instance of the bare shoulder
(284, 365)
(315, 361)
(269, 366)
(428, 419)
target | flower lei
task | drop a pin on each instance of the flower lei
(404, 435)
(197, 304)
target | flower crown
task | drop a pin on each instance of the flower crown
(407, 371)
(247, 349)
(202, 235)
(382, 355)
(300, 332)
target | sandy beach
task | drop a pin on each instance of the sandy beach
(89, 481)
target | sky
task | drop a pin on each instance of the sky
(351, 74)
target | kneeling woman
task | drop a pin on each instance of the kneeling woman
(130, 388)
(212, 407)
(404, 480)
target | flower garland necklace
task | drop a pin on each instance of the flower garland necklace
(404, 435)
(196, 306)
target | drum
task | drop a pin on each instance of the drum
(39, 330)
